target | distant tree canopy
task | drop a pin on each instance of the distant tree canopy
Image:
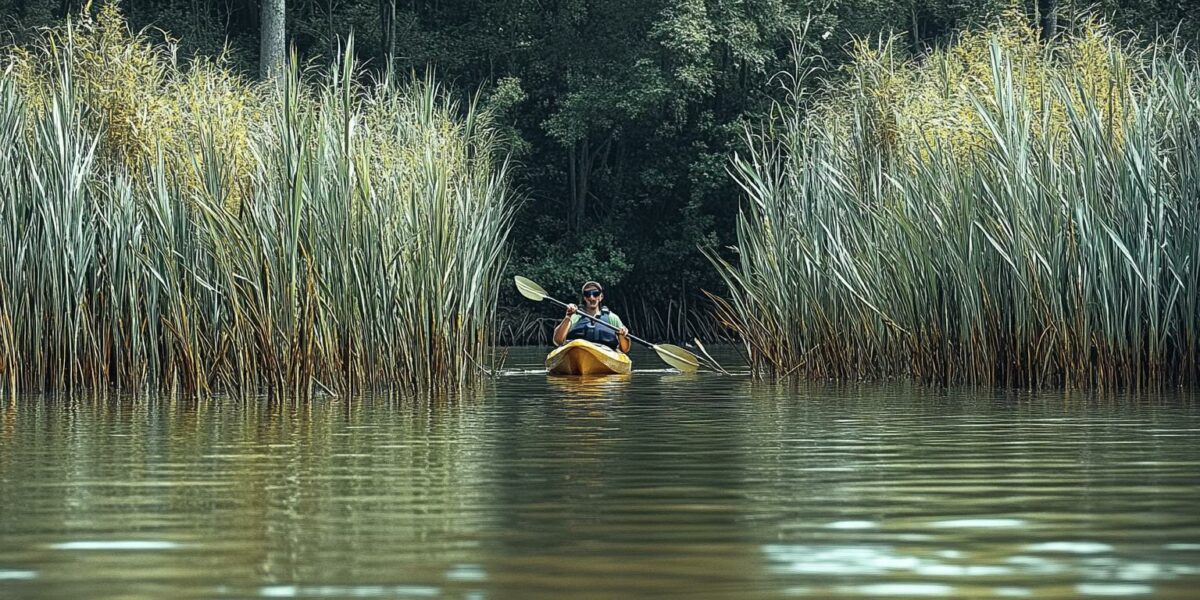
(622, 113)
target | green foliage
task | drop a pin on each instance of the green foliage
(1042, 231)
(622, 114)
(599, 256)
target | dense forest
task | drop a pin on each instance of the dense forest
(622, 115)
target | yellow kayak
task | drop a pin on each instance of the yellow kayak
(581, 357)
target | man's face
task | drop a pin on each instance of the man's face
(592, 297)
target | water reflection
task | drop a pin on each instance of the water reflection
(353, 591)
(583, 388)
(644, 485)
(111, 545)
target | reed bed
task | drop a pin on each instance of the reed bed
(184, 229)
(1000, 212)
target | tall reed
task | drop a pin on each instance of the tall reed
(999, 212)
(185, 229)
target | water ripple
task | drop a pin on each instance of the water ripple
(648, 486)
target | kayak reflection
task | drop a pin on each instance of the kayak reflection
(584, 387)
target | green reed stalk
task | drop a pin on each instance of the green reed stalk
(355, 240)
(1046, 234)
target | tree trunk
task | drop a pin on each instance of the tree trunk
(331, 31)
(1049, 13)
(916, 29)
(387, 24)
(271, 52)
(582, 157)
(580, 169)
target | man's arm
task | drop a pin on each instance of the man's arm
(622, 333)
(560, 331)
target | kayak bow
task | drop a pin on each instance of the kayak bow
(581, 357)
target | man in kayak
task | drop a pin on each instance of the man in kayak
(575, 327)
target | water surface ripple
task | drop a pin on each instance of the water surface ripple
(657, 484)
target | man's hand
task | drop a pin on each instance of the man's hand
(571, 308)
(623, 332)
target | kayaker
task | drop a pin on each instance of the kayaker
(575, 327)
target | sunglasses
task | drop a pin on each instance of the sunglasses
(593, 294)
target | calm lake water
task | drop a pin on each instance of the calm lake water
(658, 484)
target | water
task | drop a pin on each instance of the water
(656, 484)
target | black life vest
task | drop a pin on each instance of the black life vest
(586, 329)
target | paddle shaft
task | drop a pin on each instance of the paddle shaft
(595, 320)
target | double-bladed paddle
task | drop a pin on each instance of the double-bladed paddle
(672, 355)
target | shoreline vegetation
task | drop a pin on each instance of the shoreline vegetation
(1002, 211)
(192, 231)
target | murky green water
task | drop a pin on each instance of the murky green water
(657, 484)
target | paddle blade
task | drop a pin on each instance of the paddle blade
(530, 289)
(677, 357)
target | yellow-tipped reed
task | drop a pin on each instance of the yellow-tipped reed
(999, 212)
(189, 230)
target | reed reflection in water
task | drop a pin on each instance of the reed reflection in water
(641, 486)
